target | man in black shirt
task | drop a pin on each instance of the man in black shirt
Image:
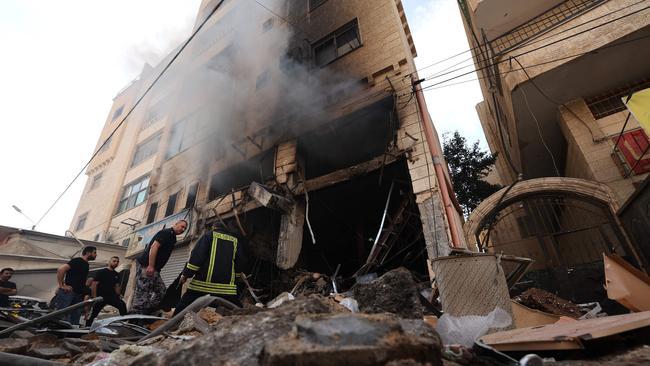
(7, 288)
(149, 286)
(107, 285)
(72, 283)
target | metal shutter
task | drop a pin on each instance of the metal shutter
(175, 264)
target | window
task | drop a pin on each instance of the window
(125, 242)
(612, 102)
(313, 4)
(133, 194)
(223, 62)
(171, 204)
(153, 209)
(81, 222)
(184, 134)
(267, 25)
(154, 114)
(96, 238)
(145, 150)
(97, 178)
(337, 44)
(263, 79)
(191, 195)
(106, 145)
(118, 112)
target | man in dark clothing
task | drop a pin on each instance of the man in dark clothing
(107, 285)
(149, 286)
(7, 288)
(72, 283)
(215, 262)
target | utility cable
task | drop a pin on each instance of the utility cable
(153, 83)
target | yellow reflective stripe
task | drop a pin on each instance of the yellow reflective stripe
(234, 254)
(212, 291)
(225, 237)
(210, 284)
(213, 254)
(192, 267)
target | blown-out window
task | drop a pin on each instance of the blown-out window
(337, 44)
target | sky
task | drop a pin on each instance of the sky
(64, 61)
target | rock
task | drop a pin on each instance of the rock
(395, 292)
(87, 346)
(240, 339)
(279, 300)
(48, 352)
(350, 339)
(13, 345)
(192, 322)
(24, 334)
(73, 349)
(44, 339)
(210, 315)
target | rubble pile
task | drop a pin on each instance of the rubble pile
(395, 292)
(545, 301)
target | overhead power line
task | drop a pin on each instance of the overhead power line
(180, 50)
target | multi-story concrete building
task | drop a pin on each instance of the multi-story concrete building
(555, 76)
(309, 102)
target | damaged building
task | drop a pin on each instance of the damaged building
(300, 123)
(555, 78)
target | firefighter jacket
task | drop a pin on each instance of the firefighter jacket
(213, 264)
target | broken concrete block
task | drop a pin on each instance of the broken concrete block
(24, 334)
(87, 346)
(281, 299)
(44, 339)
(48, 352)
(395, 292)
(349, 339)
(13, 345)
(73, 349)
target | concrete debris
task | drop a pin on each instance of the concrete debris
(24, 334)
(545, 301)
(210, 315)
(395, 292)
(13, 345)
(349, 339)
(48, 353)
(281, 299)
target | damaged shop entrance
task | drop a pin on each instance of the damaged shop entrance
(347, 221)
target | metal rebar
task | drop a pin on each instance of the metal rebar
(49, 316)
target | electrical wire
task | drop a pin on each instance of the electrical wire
(153, 83)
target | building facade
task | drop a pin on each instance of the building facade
(311, 102)
(555, 76)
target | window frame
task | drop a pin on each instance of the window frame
(192, 195)
(96, 181)
(171, 203)
(312, 7)
(118, 112)
(81, 221)
(333, 36)
(152, 213)
(126, 199)
(156, 136)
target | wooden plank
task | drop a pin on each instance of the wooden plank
(626, 284)
(348, 173)
(552, 336)
(526, 317)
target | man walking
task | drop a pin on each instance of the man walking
(107, 285)
(7, 288)
(214, 263)
(149, 286)
(72, 283)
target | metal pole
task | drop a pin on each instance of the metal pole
(51, 315)
(381, 225)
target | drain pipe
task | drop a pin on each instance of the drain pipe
(436, 156)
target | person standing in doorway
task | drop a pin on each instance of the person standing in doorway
(72, 283)
(7, 288)
(149, 286)
(107, 285)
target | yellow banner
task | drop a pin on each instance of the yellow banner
(639, 106)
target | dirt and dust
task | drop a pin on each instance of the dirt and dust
(535, 298)
(395, 292)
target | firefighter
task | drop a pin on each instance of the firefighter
(215, 262)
